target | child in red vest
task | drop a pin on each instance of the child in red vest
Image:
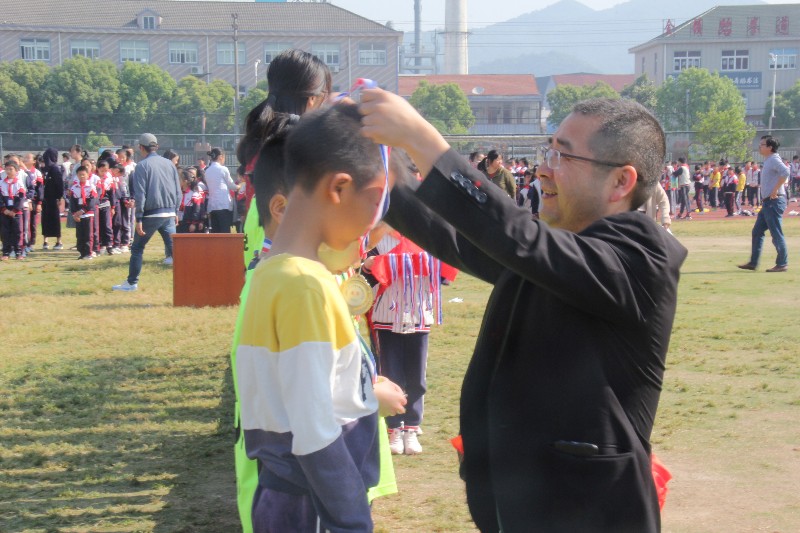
(12, 197)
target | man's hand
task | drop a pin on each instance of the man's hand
(139, 229)
(38, 208)
(389, 119)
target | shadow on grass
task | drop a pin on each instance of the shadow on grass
(134, 444)
(114, 307)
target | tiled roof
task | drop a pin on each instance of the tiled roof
(616, 81)
(476, 84)
(751, 22)
(256, 17)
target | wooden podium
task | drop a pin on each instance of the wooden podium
(207, 269)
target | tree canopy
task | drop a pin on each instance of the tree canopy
(445, 106)
(682, 101)
(643, 91)
(83, 95)
(564, 97)
(787, 108)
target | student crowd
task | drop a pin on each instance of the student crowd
(97, 199)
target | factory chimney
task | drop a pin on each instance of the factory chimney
(455, 37)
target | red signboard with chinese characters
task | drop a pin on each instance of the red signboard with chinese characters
(782, 26)
(697, 26)
(725, 27)
(753, 26)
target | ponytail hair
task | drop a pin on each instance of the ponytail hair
(269, 175)
(293, 77)
(215, 152)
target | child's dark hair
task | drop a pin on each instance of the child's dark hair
(327, 141)
(118, 167)
(215, 152)
(81, 169)
(269, 175)
(103, 163)
(10, 163)
(293, 76)
(170, 154)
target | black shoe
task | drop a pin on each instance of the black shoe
(748, 266)
(777, 268)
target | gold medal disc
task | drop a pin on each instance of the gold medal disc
(357, 294)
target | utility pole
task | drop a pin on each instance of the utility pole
(235, 17)
(774, 60)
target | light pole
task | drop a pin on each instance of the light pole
(688, 92)
(235, 16)
(774, 60)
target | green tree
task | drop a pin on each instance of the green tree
(254, 97)
(787, 108)
(643, 91)
(193, 97)
(145, 92)
(445, 106)
(96, 140)
(682, 101)
(13, 97)
(221, 93)
(723, 132)
(87, 90)
(31, 76)
(564, 97)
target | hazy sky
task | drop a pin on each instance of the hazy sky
(479, 12)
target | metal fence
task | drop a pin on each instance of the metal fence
(679, 144)
(192, 145)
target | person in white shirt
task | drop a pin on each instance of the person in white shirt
(220, 184)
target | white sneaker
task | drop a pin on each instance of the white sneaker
(396, 441)
(125, 286)
(168, 261)
(410, 442)
(124, 249)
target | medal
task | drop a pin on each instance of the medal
(357, 294)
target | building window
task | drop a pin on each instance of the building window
(327, 53)
(149, 23)
(273, 49)
(134, 51)
(735, 60)
(35, 49)
(786, 58)
(225, 54)
(643, 65)
(655, 65)
(372, 54)
(183, 52)
(685, 59)
(90, 49)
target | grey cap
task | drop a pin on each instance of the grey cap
(148, 139)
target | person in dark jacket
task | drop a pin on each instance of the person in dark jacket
(157, 196)
(555, 420)
(53, 193)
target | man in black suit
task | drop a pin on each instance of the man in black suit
(555, 419)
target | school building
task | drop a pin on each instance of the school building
(503, 104)
(197, 38)
(755, 46)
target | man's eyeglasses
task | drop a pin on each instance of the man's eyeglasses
(553, 159)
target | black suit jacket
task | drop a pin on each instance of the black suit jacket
(571, 349)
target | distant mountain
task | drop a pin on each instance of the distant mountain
(569, 37)
(535, 63)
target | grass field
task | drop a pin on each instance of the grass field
(115, 411)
